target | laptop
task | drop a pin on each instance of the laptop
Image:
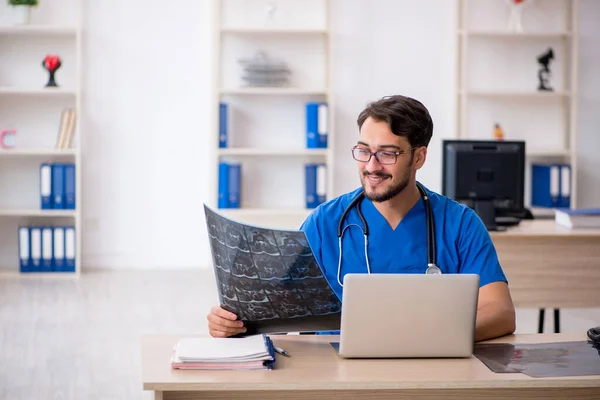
(408, 315)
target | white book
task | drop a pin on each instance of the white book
(209, 349)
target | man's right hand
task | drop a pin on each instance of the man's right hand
(222, 323)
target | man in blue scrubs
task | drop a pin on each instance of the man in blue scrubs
(394, 134)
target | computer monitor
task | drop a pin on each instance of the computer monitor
(488, 176)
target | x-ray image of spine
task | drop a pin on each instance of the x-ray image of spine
(270, 278)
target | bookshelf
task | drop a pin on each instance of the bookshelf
(35, 112)
(497, 80)
(266, 125)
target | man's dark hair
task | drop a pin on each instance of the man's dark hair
(405, 116)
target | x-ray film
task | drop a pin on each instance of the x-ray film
(541, 359)
(270, 279)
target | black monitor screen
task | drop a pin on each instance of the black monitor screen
(488, 176)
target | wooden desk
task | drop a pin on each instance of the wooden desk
(315, 371)
(549, 266)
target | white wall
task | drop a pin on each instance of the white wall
(147, 87)
(588, 175)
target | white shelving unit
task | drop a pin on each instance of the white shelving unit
(498, 80)
(267, 133)
(35, 112)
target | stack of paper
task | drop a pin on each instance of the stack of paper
(581, 218)
(250, 352)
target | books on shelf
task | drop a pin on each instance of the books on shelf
(581, 218)
(66, 131)
(249, 352)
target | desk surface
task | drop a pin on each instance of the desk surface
(545, 227)
(315, 366)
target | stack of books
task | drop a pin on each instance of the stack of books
(250, 352)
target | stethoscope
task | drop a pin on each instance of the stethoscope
(432, 268)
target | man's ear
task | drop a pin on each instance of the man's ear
(420, 157)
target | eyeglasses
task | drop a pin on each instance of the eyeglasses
(383, 157)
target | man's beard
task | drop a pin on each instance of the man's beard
(390, 193)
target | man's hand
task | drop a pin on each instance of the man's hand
(222, 323)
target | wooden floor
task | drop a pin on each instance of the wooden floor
(79, 339)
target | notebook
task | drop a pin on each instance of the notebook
(250, 352)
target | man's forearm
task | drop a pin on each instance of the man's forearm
(494, 319)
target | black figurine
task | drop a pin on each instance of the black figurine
(544, 72)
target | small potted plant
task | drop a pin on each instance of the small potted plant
(22, 10)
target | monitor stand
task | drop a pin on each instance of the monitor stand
(487, 212)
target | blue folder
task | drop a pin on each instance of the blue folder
(58, 186)
(69, 185)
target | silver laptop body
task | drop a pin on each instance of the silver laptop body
(408, 315)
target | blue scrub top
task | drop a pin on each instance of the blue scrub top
(463, 242)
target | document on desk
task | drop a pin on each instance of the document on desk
(270, 278)
(541, 359)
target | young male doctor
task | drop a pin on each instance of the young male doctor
(394, 134)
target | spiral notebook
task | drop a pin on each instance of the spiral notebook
(250, 352)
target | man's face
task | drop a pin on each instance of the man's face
(381, 182)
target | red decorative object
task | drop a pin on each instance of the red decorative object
(51, 63)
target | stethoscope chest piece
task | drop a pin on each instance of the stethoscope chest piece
(433, 269)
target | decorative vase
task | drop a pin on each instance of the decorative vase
(21, 15)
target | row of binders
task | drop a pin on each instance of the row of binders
(317, 122)
(57, 186)
(551, 185)
(315, 176)
(47, 248)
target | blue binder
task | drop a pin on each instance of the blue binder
(58, 186)
(69, 185)
(312, 125)
(545, 185)
(69, 249)
(46, 186)
(35, 243)
(235, 183)
(564, 200)
(223, 185)
(310, 175)
(58, 251)
(223, 125)
(24, 249)
(322, 124)
(47, 249)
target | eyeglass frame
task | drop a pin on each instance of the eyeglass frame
(374, 153)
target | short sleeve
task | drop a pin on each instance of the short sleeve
(311, 227)
(476, 250)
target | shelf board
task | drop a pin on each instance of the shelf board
(549, 153)
(515, 94)
(234, 212)
(6, 273)
(39, 30)
(271, 152)
(515, 35)
(32, 212)
(260, 31)
(17, 152)
(542, 212)
(37, 91)
(273, 91)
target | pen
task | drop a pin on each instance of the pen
(281, 351)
